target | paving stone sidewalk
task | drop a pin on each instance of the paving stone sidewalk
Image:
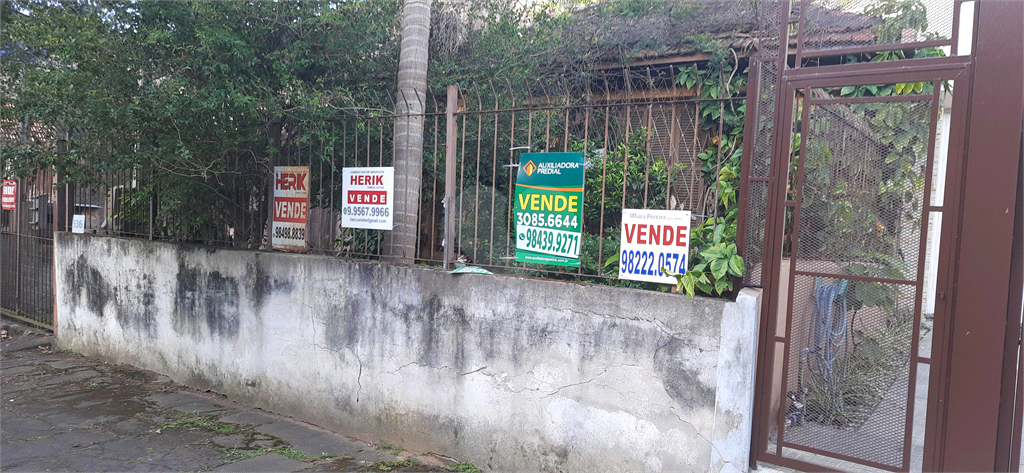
(66, 412)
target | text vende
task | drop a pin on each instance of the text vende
(290, 210)
(665, 235)
(368, 197)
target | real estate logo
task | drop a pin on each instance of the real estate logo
(530, 168)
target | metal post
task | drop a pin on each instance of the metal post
(449, 173)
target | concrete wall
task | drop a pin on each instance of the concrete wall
(505, 372)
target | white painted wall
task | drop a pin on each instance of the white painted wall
(505, 372)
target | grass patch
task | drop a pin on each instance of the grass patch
(465, 467)
(294, 454)
(391, 465)
(194, 419)
(384, 445)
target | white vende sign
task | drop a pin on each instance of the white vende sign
(291, 207)
(651, 240)
(369, 194)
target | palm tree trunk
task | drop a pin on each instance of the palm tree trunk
(400, 243)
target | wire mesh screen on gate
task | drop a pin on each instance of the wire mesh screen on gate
(849, 248)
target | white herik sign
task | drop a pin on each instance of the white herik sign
(368, 193)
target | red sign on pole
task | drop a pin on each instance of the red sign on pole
(291, 207)
(10, 194)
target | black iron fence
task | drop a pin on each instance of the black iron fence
(26, 246)
(648, 142)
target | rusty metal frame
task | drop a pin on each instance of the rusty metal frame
(793, 80)
(995, 133)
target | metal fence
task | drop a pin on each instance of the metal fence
(26, 246)
(645, 140)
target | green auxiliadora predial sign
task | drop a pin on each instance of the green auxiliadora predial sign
(549, 208)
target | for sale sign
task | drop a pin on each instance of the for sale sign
(10, 194)
(549, 208)
(291, 207)
(368, 194)
(652, 240)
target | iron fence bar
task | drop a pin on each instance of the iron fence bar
(625, 154)
(461, 182)
(647, 159)
(604, 170)
(334, 219)
(922, 259)
(823, 53)
(794, 246)
(494, 172)
(449, 183)
(512, 176)
(613, 103)
(547, 116)
(476, 195)
(954, 37)
(695, 170)
(718, 161)
(433, 200)
(873, 99)
(380, 163)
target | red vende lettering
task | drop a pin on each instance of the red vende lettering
(368, 197)
(630, 231)
(290, 181)
(664, 235)
(290, 209)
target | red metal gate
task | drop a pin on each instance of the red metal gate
(860, 264)
(863, 185)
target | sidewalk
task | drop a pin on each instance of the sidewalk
(66, 412)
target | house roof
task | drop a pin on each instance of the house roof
(619, 32)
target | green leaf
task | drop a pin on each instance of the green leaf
(722, 284)
(736, 265)
(847, 91)
(704, 285)
(687, 282)
(719, 267)
(612, 259)
(714, 253)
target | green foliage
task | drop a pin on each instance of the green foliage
(714, 242)
(627, 177)
(394, 464)
(195, 419)
(465, 467)
(714, 262)
(897, 15)
(200, 96)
